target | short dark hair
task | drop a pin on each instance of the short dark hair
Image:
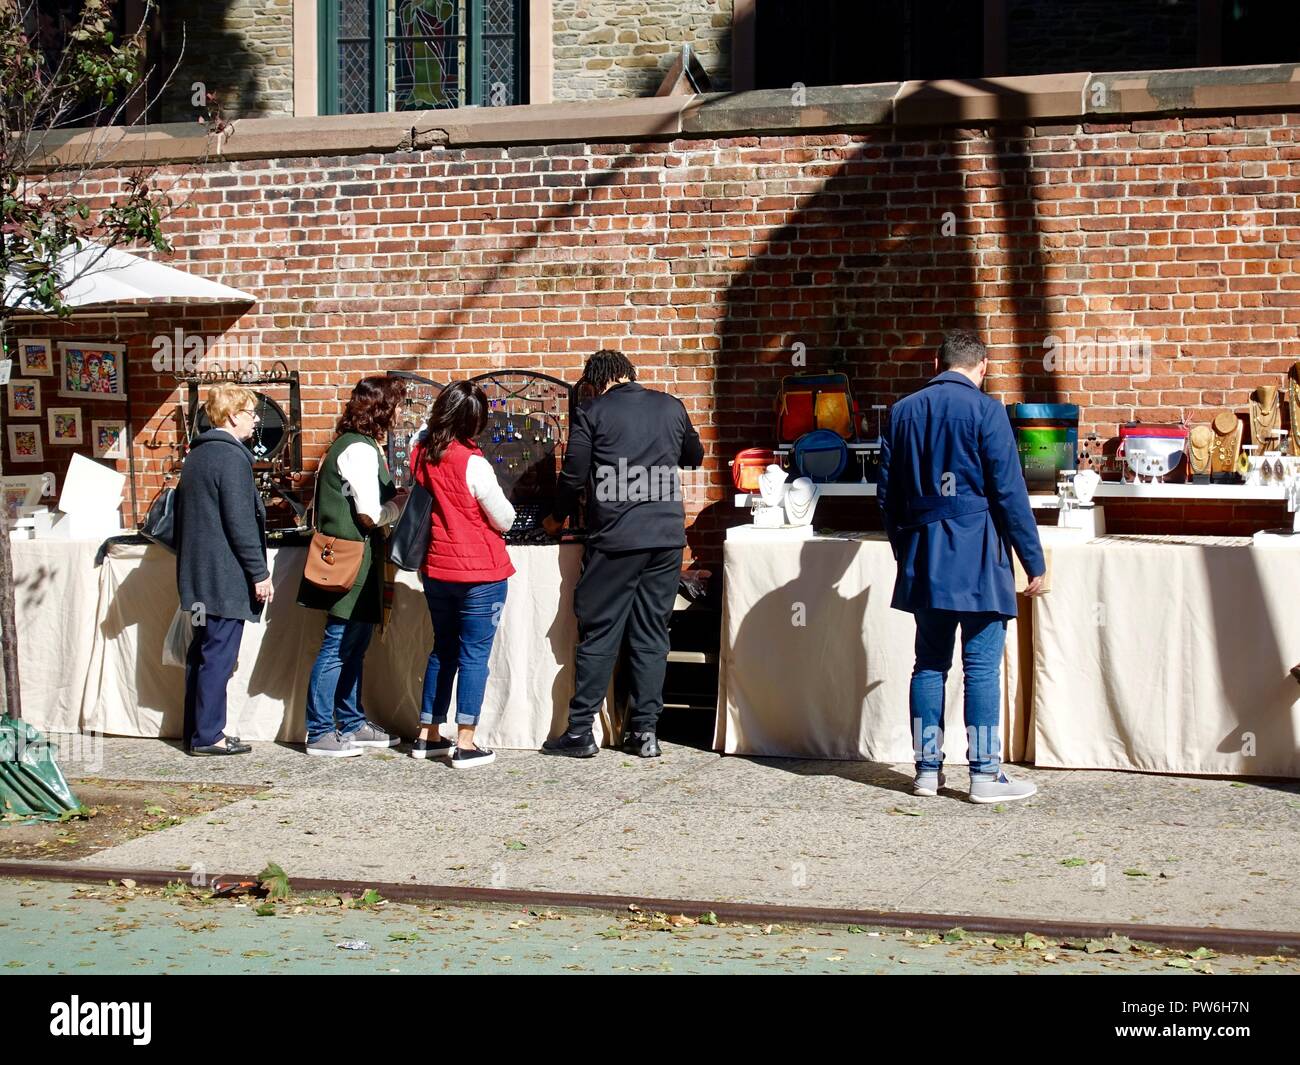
(961, 350)
(604, 368)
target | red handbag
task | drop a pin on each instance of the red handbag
(815, 401)
(748, 467)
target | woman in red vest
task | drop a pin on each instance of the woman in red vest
(464, 572)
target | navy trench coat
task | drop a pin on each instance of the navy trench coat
(954, 501)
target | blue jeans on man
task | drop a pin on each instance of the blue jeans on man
(334, 692)
(982, 639)
(465, 618)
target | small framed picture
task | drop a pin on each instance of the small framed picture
(64, 425)
(25, 443)
(92, 371)
(23, 490)
(35, 358)
(24, 399)
(108, 439)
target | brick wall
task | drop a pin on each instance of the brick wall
(613, 48)
(240, 49)
(708, 261)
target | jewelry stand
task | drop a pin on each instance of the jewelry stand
(1285, 537)
(1076, 510)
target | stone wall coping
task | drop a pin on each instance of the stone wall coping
(1081, 98)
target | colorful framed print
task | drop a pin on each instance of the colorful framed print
(18, 491)
(24, 399)
(108, 438)
(92, 371)
(25, 443)
(35, 357)
(65, 426)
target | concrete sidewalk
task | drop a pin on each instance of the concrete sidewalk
(1092, 846)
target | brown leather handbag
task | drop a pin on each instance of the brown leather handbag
(333, 563)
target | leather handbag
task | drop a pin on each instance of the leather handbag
(815, 401)
(333, 563)
(408, 545)
(159, 524)
(748, 467)
(820, 456)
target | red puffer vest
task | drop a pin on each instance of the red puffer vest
(463, 547)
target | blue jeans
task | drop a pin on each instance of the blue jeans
(465, 619)
(334, 694)
(982, 640)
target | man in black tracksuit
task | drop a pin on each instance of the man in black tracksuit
(625, 448)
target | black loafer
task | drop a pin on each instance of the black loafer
(582, 745)
(230, 745)
(641, 744)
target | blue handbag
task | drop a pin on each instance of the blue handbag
(821, 456)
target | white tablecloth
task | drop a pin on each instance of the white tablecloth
(1170, 657)
(90, 648)
(816, 664)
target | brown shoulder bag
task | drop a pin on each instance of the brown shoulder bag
(332, 562)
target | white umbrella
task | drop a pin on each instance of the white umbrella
(95, 276)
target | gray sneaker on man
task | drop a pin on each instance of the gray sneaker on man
(928, 782)
(332, 745)
(369, 735)
(990, 787)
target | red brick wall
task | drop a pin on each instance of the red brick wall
(708, 261)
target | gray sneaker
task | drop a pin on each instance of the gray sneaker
(928, 782)
(985, 788)
(332, 745)
(369, 735)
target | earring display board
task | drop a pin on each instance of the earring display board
(525, 441)
(411, 420)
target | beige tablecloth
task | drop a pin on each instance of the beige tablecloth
(1171, 657)
(815, 664)
(90, 645)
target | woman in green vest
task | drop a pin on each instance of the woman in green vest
(355, 500)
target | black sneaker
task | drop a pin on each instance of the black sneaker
(471, 757)
(582, 745)
(435, 748)
(641, 744)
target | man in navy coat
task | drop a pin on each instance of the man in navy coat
(955, 506)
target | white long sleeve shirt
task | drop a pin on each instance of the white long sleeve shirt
(359, 468)
(484, 486)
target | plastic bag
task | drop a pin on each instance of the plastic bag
(176, 644)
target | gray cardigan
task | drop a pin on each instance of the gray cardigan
(221, 529)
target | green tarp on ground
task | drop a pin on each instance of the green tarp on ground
(32, 786)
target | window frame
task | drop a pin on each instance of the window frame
(327, 35)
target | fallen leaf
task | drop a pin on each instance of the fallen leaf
(1073, 863)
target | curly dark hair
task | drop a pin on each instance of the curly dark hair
(459, 413)
(604, 368)
(372, 407)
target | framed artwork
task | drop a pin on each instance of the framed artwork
(92, 371)
(64, 425)
(35, 358)
(25, 443)
(20, 491)
(24, 399)
(108, 438)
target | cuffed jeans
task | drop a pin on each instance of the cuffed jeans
(334, 693)
(465, 618)
(982, 639)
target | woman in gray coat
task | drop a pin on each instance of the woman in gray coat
(221, 569)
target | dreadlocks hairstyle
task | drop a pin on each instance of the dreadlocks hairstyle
(606, 367)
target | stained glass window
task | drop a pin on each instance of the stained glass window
(403, 55)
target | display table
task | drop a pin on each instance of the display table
(90, 648)
(1170, 655)
(815, 663)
